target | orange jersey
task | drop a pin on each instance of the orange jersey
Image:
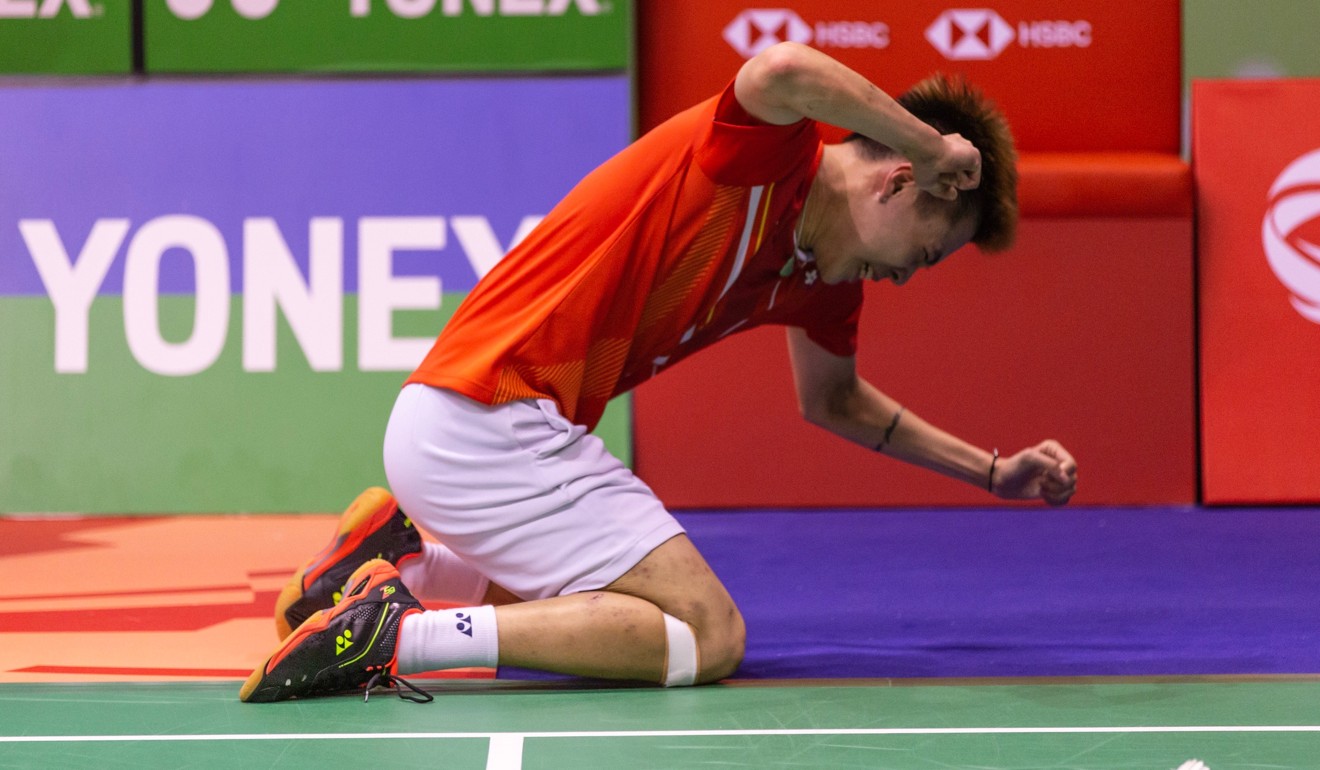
(683, 238)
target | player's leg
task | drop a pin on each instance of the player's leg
(614, 587)
(438, 575)
(541, 506)
(621, 632)
(375, 527)
(372, 526)
(378, 630)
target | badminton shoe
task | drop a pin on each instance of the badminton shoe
(373, 527)
(351, 647)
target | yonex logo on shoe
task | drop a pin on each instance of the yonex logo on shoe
(386, 591)
(464, 623)
(343, 642)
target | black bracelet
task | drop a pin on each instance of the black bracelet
(990, 483)
(890, 430)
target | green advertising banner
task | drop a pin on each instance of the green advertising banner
(66, 37)
(1261, 39)
(387, 35)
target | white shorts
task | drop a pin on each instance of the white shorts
(531, 500)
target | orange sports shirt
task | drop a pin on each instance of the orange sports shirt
(683, 238)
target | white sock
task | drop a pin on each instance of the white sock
(439, 639)
(438, 575)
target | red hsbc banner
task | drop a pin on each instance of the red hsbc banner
(1256, 158)
(1078, 76)
(1084, 333)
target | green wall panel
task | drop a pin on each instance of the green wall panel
(66, 37)
(387, 35)
(122, 439)
(1262, 38)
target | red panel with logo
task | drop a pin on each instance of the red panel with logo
(1083, 333)
(1077, 76)
(1256, 155)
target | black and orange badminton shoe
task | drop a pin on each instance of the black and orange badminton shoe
(373, 527)
(351, 647)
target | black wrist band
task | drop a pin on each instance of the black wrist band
(890, 430)
(990, 482)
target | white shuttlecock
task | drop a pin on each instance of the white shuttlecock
(1193, 764)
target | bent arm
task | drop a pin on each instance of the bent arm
(833, 396)
(788, 81)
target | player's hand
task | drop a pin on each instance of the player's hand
(957, 167)
(1045, 471)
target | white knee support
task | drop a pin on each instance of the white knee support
(681, 664)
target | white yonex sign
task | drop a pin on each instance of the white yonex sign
(273, 285)
(1294, 200)
(404, 9)
(48, 9)
(225, 215)
(413, 9)
(195, 9)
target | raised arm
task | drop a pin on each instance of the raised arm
(833, 396)
(787, 82)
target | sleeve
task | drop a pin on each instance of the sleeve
(832, 318)
(738, 149)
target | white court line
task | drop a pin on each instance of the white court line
(505, 752)
(516, 738)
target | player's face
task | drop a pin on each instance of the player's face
(892, 239)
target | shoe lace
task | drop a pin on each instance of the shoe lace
(386, 679)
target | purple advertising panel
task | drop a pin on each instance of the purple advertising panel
(292, 152)
(243, 245)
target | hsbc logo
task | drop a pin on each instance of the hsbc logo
(1294, 201)
(756, 29)
(970, 33)
(980, 34)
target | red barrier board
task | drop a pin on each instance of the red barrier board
(1104, 184)
(1256, 159)
(1083, 332)
(1087, 75)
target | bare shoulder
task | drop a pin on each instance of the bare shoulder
(764, 83)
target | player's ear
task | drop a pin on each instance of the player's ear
(895, 180)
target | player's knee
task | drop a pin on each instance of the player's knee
(722, 652)
(718, 640)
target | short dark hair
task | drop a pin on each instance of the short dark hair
(955, 106)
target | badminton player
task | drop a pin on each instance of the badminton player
(731, 215)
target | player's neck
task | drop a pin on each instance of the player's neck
(826, 193)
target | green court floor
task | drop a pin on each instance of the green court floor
(1155, 724)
